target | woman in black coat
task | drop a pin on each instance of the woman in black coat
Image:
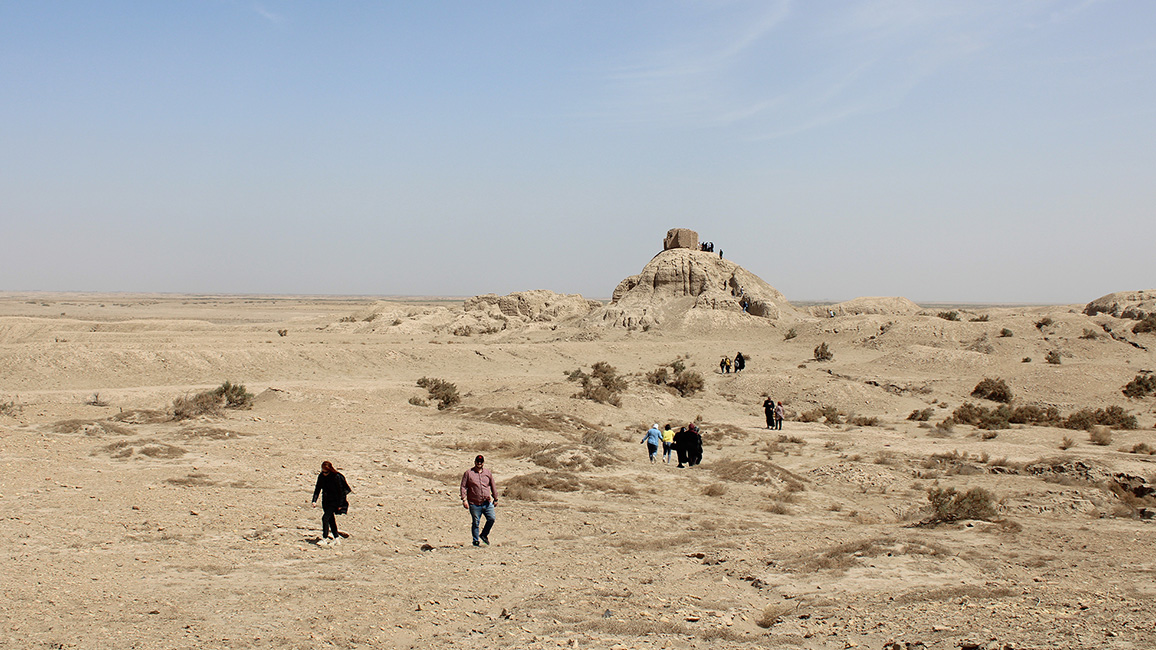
(332, 487)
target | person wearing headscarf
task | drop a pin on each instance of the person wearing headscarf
(332, 488)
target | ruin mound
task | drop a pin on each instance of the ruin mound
(1124, 304)
(887, 305)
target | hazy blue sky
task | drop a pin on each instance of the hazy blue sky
(979, 150)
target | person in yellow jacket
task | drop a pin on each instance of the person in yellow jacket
(667, 443)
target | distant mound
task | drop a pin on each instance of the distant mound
(888, 305)
(524, 307)
(1124, 304)
(681, 285)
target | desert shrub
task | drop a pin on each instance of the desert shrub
(791, 333)
(982, 417)
(687, 383)
(1031, 414)
(9, 408)
(1006, 333)
(1145, 326)
(96, 400)
(981, 319)
(597, 439)
(657, 376)
(1100, 435)
(235, 395)
(714, 490)
(1113, 417)
(1090, 334)
(1143, 385)
(417, 401)
(995, 390)
(191, 406)
(830, 414)
(348, 319)
(921, 415)
(677, 366)
(1142, 448)
(1026, 360)
(1053, 357)
(949, 315)
(823, 353)
(602, 385)
(443, 391)
(946, 426)
(948, 505)
(1067, 443)
(1044, 322)
(863, 421)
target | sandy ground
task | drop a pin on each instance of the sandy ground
(127, 529)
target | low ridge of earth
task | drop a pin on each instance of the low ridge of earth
(128, 528)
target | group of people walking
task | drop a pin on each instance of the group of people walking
(774, 412)
(726, 364)
(686, 443)
(478, 490)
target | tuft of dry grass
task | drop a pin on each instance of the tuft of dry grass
(1100, 435)
(714, 490)
(207, 403)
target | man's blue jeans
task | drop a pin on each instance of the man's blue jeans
(486, 509)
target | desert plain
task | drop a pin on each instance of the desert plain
(128, 525)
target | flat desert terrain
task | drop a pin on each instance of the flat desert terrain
(126, 526)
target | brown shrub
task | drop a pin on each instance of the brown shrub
(714, 490)
(823, 353)
(443, 391)
(205, 403)
(995, 390)
(948, 505)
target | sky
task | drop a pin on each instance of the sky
(967, 151)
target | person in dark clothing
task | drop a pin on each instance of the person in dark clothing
(333, 488)
(740, 362)
(681, 445)
(769, 411)
(694, 440)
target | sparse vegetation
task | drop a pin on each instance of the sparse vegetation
(1067, 443)
(829, 414)
(1090, 334)
(192, 406)
(96, 400)
(1006, 333)
(417, 401)
(864, 421)
(714, 490)
(1100, 435)
(823, 353)
(602, 385)
(348, 319)
(921, 415)
(9, 408)
(657, 376)
(982, 417)
(995, 390)
(980, 319)
(235, 395)
(441, 390)
(1142, 385)
(687, 383)
(1053, 357)
(1031, 414)
(1046, 321)
(949, 315)
(1113, 417)
(791, 333)
(948, 505)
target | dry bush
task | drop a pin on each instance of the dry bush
(1100, 435)
(981, 319)
(714, 490)
(995, 390)
(863, 421)
(949, 315)
(921, 415)
(599, 440)
(830, 414)
(1006, 333)
(96, 400)
(9, 408)
(1114, 417)
(1053, 357)
(1031, 414)
(1067, 443)
(1142, 448)
(687, 383)
(441, 390)
(773, 613)
(657, 376)
(141, 416)
(1142, 385)
(948, 505)
(235, 395)
(796, 440)
(982, 417)
(945, 427)
(417, 401)
(602, 385)
(204, 403)
(823, 353)
(791, 333)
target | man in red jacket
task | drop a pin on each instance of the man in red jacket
(479, 496)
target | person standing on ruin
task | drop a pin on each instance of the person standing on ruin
(653, 440)
(779, 412)
(332, 488)
(769, 412)
(479, 496)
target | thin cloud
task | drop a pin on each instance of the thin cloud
(272, 17)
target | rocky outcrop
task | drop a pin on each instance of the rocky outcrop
(680, 281)
(1124, 304)
(888, 305)
(539, 306)
(680, 238)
